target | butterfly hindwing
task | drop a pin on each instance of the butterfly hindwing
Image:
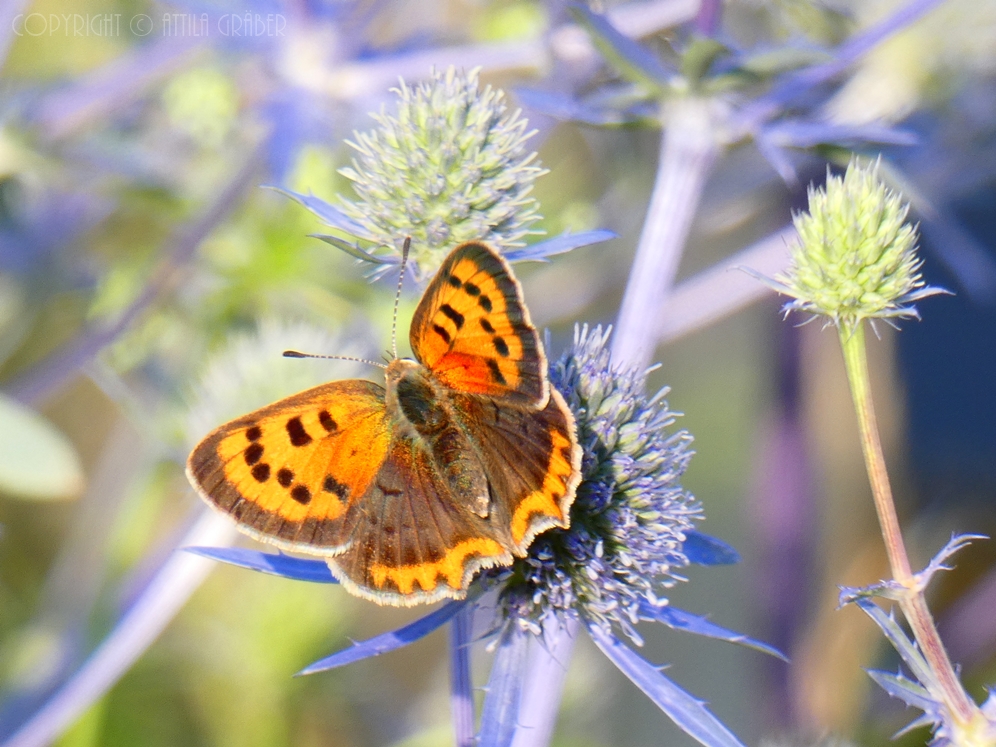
(415, 541)
(532, 460)
(291, 472)
(472, 329)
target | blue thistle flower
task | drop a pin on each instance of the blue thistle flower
(631, 515)
(856, 255)
(451, 165)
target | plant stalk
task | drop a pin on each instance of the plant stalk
(912, 603)
(461, 685)
(689, 147)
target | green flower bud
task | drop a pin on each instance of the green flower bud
(449, 166)
(856, 254)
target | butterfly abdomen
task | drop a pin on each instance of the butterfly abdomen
(421, 407)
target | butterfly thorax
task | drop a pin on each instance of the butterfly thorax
(414, 399)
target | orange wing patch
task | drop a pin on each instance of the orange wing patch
(473, 331)
(544, 507)
(452, 567)
(290, 471)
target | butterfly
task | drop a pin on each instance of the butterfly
(407, 490)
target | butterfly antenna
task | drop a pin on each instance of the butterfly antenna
(296, 354)
(397, 296)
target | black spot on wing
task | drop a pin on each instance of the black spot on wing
(388, 489)
(496, 373)
(486, 326)
(327, 421)
(285, 477)
(253, 453)
(255, 433)
(454, 281)
(331, 485)
(298, 435)
(301, 494)
(261, 472)
(485, 303)
(441, 331)
(453, 315)
(500, 346)
(472, 289)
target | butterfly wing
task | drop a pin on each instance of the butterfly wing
(335, 471)
(472, 329)
(532, 460)
(293, 473)
(415, 542)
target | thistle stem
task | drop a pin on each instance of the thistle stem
(912, 603)
(544, 685)
(689, 148)
(461, 686)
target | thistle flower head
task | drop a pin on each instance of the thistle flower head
(856, 255)
(450, 165)
(631, 513)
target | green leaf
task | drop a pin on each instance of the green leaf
(772, 62)
(36, 461)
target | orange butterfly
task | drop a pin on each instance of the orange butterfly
(409, 490)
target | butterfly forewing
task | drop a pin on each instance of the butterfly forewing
(290, 472)
(473, 331)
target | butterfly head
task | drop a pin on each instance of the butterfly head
(398, 369)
